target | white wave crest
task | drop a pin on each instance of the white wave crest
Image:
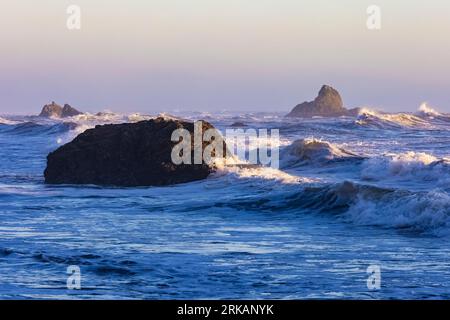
(137, 117)
(237, 168)
(312, 150)
(426, 110)
(368, 117)
(409, 166)
(8, 122)
(427, 212)
(87, 121)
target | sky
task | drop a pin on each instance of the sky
(209, 55)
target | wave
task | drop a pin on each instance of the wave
(88, 121)
(107, 117)
(429, 113)
(104, 116)
(426, 110)
(424, 212)
(7, 121)
(232, 167)
(32, 128)
(381, 120)
(314, 151)
(411, 166)
(69, 127)
(264, 173)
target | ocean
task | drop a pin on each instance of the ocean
(350, 193)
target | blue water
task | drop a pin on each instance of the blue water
(355, 192)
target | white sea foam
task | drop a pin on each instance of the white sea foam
(268, 173)
(235, 167)
(248, 142)
(423, 212)
(411, 166)
(100, 117)
(107, 117)
(427, 212)
(369, 117)
(426, 110)
(429, 113)
(16, 189)
(87, 121)
(7, 121)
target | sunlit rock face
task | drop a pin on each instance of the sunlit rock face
(327, 104)
(54, 110)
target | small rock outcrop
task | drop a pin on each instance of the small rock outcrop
(54, 110)
(327, 104)
(129, 155)
(68, 111)
(238, 124)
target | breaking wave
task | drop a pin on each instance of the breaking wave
(32, 128)
(70, 127)
(425, 212)
(426, 110)
(422, 212)
(314, 151)
(431, 114)
(109, 117)
(411, 166)
(7, 121)
(232, 167)
(381, 120)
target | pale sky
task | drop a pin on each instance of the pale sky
(208, 55)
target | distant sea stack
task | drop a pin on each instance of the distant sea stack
(54, 110)
(327, 104)
(128, 155)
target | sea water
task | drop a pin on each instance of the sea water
(350, 193)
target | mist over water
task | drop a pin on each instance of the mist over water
(350, 192)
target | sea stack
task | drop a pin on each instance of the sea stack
(51, 110)
(68, 111)
(327, 104)
(128, 155)
(54, 110)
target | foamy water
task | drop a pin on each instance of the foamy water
(349, 193)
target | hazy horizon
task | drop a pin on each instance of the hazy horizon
(266, 55)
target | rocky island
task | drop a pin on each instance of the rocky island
(54, 110)
(328, 103)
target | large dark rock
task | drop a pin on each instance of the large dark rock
(54, 110)
(130, 154)
(327, 104)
